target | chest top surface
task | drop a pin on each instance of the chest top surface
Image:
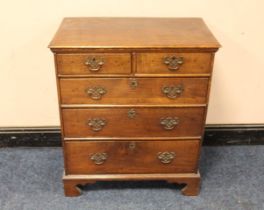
(133, 33)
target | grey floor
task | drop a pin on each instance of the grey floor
(233, 179)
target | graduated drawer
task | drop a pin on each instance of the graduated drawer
(93, 63)
(103, 157)
(133, 91)
(133, 122)
(174, 63)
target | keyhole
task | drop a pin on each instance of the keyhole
(133, 83)
(132, 145)
(131, 113)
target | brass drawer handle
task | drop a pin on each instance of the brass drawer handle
(96, 93)
(133, 83)
(166, 157)
(172, 91)
(131, 113)
(169, 123)
(173, 62)
(99, 158)
(96, 124)
(94, 63)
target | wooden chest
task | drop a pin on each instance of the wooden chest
(133, 96)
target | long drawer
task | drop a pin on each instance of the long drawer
(133, 91)
(104, 157)
(133, 122)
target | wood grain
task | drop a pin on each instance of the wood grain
(133, 33)
(193, 63)
(118, 63)
(121, 158)
(119, 91)
(146, 123)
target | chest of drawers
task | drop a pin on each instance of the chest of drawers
(133, 95)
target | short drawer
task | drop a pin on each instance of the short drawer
(133, 91)
(174, 63)
(100, 157)
(93, 64)
(133, 122)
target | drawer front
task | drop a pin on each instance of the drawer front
(174, 63)
(92, 157)
(133, 122)
(133, 91)
(93, 64)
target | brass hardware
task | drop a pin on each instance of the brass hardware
(99, 158)
(133, 83)
(169, 123)
(172, 91)
(131, 113)
(96, 93)
(166, 157)
(173, 62)
(132, 145)
(96, 124)
(94, 63)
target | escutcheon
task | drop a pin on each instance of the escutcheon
(131, 113)
(133, 83)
